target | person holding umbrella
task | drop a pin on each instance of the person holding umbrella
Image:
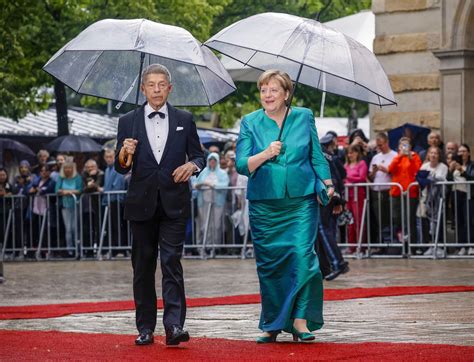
(283, 179)
(157, 202)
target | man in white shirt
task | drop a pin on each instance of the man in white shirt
(166, 151)
(380, 198)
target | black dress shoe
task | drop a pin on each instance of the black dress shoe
(144, 338)
(175, 335)
(334, 274)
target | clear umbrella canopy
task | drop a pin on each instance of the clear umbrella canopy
(104, 61)
(327, 59)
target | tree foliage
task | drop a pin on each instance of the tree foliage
(32, 31)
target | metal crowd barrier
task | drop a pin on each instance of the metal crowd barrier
(31, 235)
(98, 229)
(442, 233)
(447, 226)
(100, 232)
(379, 222)
(220, 227)
(104, 234)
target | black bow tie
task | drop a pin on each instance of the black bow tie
(153, 114)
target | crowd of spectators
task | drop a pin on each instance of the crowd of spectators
(61, 177)
(415, 172)
(220, 208)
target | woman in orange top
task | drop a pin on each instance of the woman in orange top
(403, 170)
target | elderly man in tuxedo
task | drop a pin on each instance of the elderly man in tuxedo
(165, 149)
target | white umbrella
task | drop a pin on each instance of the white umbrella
(311, 53)
(105, 60)
(360, 27)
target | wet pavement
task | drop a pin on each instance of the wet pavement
(431, 318)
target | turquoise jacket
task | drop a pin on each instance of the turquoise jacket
(294, 171)
(74, 183)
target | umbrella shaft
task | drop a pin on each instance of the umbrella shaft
(290, 100)
(134, 128)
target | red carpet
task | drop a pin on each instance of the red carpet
(40, 346)
(58, 310)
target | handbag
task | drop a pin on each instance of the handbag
(321, 192)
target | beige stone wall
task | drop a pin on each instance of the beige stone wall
(389, 23)
(406, 34)
(389, 6)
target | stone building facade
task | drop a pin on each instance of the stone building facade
(427, 50)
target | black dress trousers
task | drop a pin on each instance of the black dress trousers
(166, 235)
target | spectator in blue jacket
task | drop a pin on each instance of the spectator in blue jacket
(114, 182)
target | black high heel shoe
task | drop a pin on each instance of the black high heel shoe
(302, 336)
(268, 339)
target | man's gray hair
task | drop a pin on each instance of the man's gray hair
(156, 69)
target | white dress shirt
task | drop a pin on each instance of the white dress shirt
(157, 129)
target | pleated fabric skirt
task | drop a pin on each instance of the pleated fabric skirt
(284, 232)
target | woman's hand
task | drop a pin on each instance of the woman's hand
(274, 149)
(330, 191)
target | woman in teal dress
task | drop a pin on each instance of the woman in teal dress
(284, 211)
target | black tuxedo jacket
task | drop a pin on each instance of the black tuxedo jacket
(149, 177)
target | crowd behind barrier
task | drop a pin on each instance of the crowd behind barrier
(100, 232)
(387, 204)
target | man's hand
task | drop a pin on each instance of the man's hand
(130, 145)
(184, 172)
(126, 152)
(382, 168)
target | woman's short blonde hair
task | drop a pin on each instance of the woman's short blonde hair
(281, 77)
(70, 164)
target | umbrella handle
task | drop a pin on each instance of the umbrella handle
(125, 159)
(129, 160)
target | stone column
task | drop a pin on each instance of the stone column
(457, 99)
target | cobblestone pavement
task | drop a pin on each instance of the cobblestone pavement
(432, 318)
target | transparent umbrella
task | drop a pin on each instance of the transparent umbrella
(310, 52)
(105, 60)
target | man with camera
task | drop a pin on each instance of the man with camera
(379, 194)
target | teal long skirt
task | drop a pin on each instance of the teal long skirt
(284, 232)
